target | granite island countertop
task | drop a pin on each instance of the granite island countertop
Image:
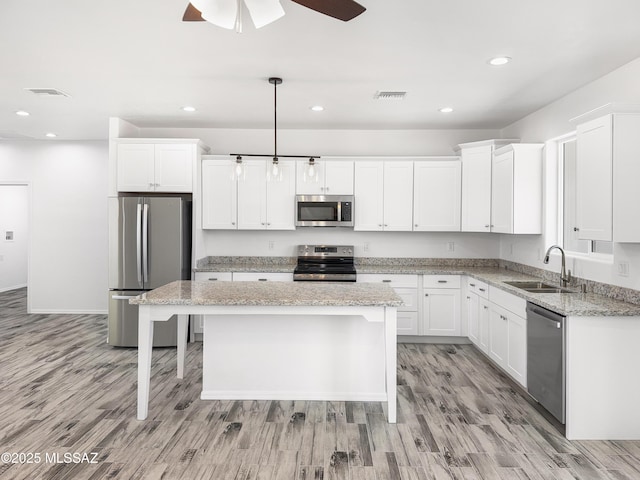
(320, 294)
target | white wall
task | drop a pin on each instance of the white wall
(550, 122)
(68, 255)
(14, 217)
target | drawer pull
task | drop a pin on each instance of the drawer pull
(213, 279)
(472, 284)
(442, 281)
(468, 297)
(386, 281)
(485, 307)
(482, 289)
(262, 279)
(426, 294)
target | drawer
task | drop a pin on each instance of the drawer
(407, 323)
(262, 277)
(409, 297)
(395, 280)
(478, 287)
(508, 301)
(441, 281)
(213, 276)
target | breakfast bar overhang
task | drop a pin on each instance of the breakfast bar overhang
(280, 340)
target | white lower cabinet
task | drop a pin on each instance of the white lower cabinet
(406, 286)
(441, 305)
(197, 320)
(478, 313)
(508, 334)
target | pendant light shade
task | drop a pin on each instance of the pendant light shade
(311, 169)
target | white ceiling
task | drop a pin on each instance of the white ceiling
(137, 60)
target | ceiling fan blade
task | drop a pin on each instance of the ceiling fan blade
(192, 14)
(344, 10)
(222, 13)
(264, 12)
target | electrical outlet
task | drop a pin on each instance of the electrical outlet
(365, 247)
(451, 246)
(8, 236)
(623, 269)
(272, 244)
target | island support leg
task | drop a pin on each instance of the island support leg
(145, 344)
(182, 343)
(391, 345)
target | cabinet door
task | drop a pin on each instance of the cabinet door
(476, 189)
(281, 195)
(135, 167)
(307, 184)
(338, 177)
(474, 320)
(502, 193)
(252, 196)
(369, 184)
(174, 167)
(441, 312)
(498, 335)
(594, 166)
(398, 196)
(407, 323)
(483, 324)
(436, 196)
(517, 348)
(219, 195)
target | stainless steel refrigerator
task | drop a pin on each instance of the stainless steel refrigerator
(150, 245)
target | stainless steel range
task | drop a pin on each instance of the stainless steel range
(325, 263)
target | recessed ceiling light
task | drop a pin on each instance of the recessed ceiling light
(317, 108)
(189, 109)
(497, 61)
(51, 135)
(446, 110)
(22, 113)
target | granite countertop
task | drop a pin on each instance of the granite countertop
(569, 304)
(184, 292)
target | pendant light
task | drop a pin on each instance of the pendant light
(275, 170)
(311, 168)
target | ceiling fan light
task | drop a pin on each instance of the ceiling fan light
(222, 13)
(263, 12)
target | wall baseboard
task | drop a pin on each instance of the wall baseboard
(45, 311)
(14, 287)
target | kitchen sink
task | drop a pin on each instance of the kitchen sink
(539, 287)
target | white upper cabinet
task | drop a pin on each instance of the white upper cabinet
(384, 195)
(516, 189)
(331, 177)
(594, 179)
(159, 167)
(219, 195)
(254, 200)
(607, 172)
(436, 196)
(476, 183)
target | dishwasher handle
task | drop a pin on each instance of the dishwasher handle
(543, 312)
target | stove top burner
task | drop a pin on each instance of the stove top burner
(325, 263)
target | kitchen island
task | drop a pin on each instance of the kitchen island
(280, 340)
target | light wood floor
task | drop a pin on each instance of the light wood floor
(63, 390)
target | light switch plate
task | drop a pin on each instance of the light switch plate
(8, 236)
(623, 269)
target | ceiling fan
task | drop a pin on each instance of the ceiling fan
(228, 13)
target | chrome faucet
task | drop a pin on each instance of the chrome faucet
(565, 277)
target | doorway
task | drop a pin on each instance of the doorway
(14, 236)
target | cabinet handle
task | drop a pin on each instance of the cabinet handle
(487, 226)
(268, 223)
(482, 289)
(485, 307)
(472, 284)
(492, 226)
(386, 225)
(233, 223)
(151, 185)
(212, 279)
(262, 279)
(576, 229)
(442, 281)
(416, 225)
(386, 281)
(468, 297)
(262, 223)
(426, 294)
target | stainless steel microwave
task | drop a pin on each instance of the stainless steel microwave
(324, 210)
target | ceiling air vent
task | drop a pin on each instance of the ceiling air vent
(48, 92)
(390, 95)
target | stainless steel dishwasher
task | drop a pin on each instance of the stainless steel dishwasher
(546, 370)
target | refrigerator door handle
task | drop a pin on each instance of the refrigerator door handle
(145, 244)
(139, 242)
(123, 297)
